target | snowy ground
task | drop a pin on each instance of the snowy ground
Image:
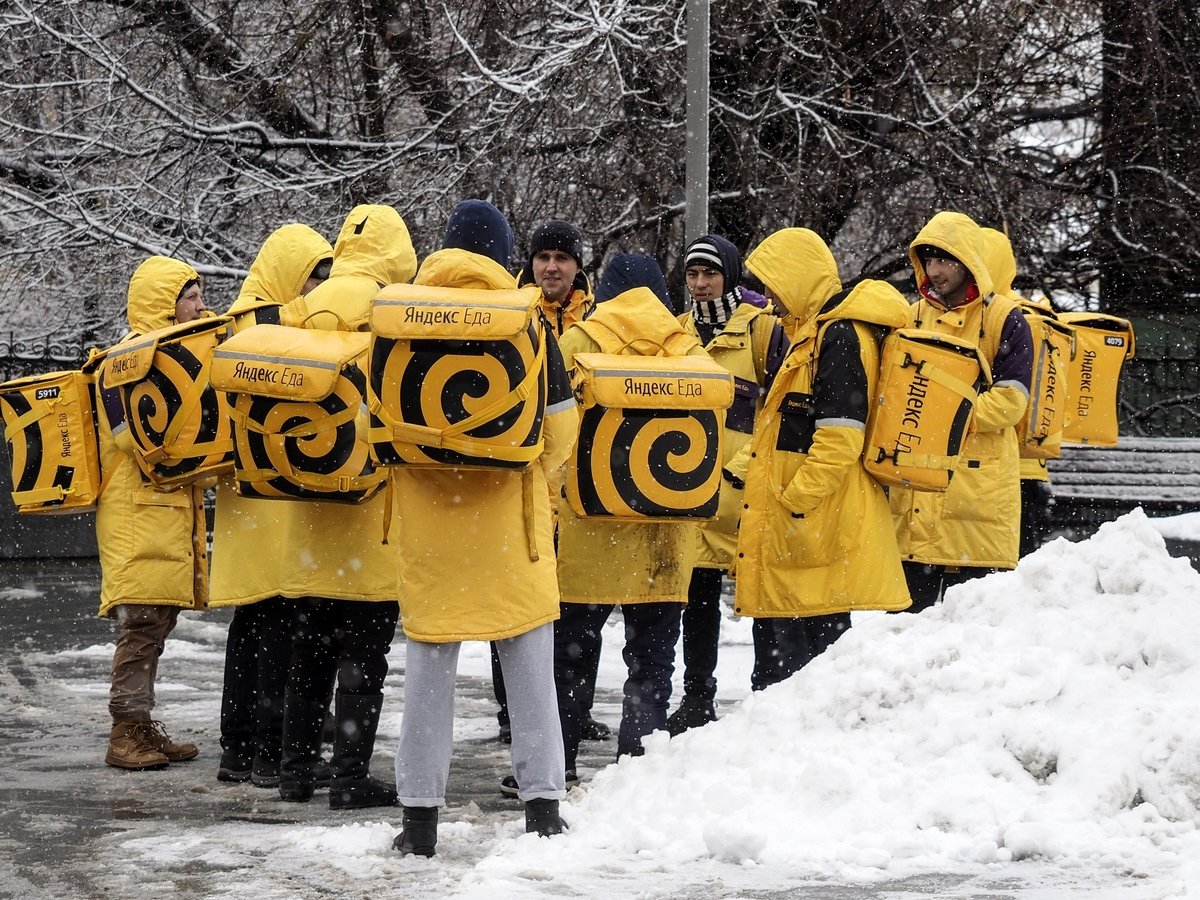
(1036, 736)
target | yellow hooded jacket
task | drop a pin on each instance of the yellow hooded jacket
(243, 565)
(626, 562)
(816, 535)
(335, 550)
(976, 522)
(152, 544)
(742, 349)
(466, 566)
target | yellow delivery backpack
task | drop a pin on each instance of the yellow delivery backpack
(178, 423)
(456, 377)
(298, 403)
(50, 430)
(1040, 432)
(649, 446)
(1102, 345)
(924, 402)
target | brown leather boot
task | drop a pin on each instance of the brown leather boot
(157, 737)
(128, 748)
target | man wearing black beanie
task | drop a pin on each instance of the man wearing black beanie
(555, 265)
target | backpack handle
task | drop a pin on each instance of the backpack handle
(662, 351)
(317, 312)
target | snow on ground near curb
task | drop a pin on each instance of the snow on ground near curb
(1045, 713)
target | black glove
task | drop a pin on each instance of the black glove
(737, 483)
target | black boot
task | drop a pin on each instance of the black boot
(301, 750)
(418, 835)
(542, 818)
(693, 712)
(352, 786)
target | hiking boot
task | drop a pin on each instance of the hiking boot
(542, 818)
(129, 748)
(509, 787)
(692, 713)
(418, 836)
(591, 730)
(234, 767)
(156, 735)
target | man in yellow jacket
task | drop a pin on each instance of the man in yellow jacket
(476, 562)
(732, 323)
(332, 559)
(974, 527)
(292, 261)
(1035, 476)
(153, 560)
(642, 567)
(816, 537)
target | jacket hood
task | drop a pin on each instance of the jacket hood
(872, 301)
(798, 268)
(374, 242)
(457, 268)
(153, 290)
(637, 313)
(958, 235)
(284, 262)
(999, 259)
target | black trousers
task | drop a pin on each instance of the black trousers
(928, 583)
(576, 657)
(782, 647)
(1036, 501)
(346, 638)
(702, 634)
(258, 650)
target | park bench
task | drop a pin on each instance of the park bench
(1092, 485)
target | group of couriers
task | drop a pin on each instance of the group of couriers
(807, 535)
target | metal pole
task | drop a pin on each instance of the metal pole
(696, 155)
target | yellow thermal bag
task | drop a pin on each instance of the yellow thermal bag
(924, 402)
(298, 403)
(1102, 345)
(649, 446)
(1040, 432)
(456, 377)
(50, 430)
(179, 425)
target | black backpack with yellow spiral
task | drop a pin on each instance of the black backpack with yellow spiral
(649, 446)
(298, 406)
(456, 377)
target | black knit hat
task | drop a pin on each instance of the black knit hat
(557, 235)
(925, 251)
(478, 227)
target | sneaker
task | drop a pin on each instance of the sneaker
(509, 788)
(128, 748)
(591, 730)
(157, 737)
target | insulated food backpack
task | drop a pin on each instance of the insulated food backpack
(298, 403)
(179, 424)
(50, 430)
(456, 377)
(1102, 345)
(1040, 432)
(924, 402)
(649, 446)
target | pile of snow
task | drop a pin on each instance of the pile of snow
(1049, 713)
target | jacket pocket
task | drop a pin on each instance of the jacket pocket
(162, 525)
(803, 541)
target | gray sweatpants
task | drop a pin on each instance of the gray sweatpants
(427, 727)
